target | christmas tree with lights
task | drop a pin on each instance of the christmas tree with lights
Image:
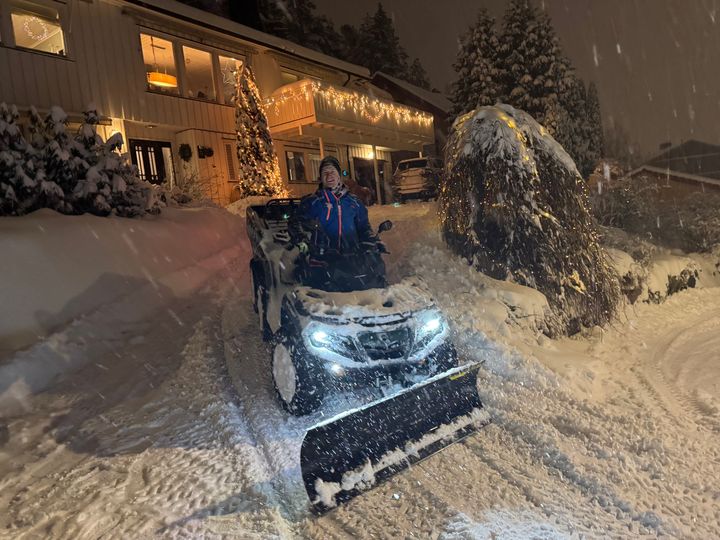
(259, 168)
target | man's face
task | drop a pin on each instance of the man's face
(329, 176)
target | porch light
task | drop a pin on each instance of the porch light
(163, 80)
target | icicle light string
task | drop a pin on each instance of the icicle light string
(369, 108)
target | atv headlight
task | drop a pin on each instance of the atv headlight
(321, 337)
(429, 328)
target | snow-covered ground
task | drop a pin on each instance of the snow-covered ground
(166, 425)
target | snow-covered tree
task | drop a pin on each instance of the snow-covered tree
(259, 168)
(533, 71)
(513, 202)
(53, 160)
(476, 66)
(93, 189)
(17, 184)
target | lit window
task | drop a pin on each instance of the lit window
(296, 166)
(198, 74)
(159, 64)
(38, 30)
(228, 67)
(288, 77)
(315, 160)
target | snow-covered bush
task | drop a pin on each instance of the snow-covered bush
(634, 205)
(513, 202)
(70, 174)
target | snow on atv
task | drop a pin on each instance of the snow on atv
(353, 331)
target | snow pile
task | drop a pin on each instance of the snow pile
(58, 270)
(240, 206)
(408, 296)
(514, 204)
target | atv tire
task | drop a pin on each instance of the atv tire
(298, 380)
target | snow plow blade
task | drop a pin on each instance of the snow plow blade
(356, 450)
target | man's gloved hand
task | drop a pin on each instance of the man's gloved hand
(381, 247)
(303, 247)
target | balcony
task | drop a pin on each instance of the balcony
(312, 109)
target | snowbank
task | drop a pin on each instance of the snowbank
(71, 284)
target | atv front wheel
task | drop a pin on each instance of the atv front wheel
(299, 383)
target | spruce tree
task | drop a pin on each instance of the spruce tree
(259, 168)
(17, 182)
(417, 75)
(477, 81)
(378, 46)
(93, 190)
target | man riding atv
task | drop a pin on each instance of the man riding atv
(330, 228)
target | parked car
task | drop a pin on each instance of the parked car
(417, 178)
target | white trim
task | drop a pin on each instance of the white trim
(670, 172)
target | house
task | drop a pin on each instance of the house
(435, 103)
(162, 74)
(682, 170)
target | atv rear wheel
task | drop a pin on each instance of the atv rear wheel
(299, 382)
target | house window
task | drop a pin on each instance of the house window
(38, 29)
(159, 64)
(314, 162)
(296, 166)
(228, 68)
(198, 74)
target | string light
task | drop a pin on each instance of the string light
(43, 27)
(371, 109)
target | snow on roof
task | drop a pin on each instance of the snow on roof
(436, 99)
(690, 157)
(217, 23)
(678, 174)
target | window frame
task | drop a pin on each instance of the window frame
(178, 43)
(39, 8)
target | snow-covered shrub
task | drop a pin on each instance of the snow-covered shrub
(17, 182)
(634, 205)
(513, 202)
(73, 175)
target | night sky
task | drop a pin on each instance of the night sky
(656, 62)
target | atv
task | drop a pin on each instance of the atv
(334, 322)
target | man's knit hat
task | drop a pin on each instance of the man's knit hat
(330, 161)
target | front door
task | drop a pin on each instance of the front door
(153, 160)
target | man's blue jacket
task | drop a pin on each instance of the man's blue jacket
(343, 218)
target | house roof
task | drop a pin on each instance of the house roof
(691, 157)
(214, 22)
(436, 99)
(677, 174)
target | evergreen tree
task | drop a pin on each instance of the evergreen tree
(533, 71)
(378, 46)
(17, 182)
(417, 75)
(259, 168)
(93, 190)
(476, 67)
(53, 160)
